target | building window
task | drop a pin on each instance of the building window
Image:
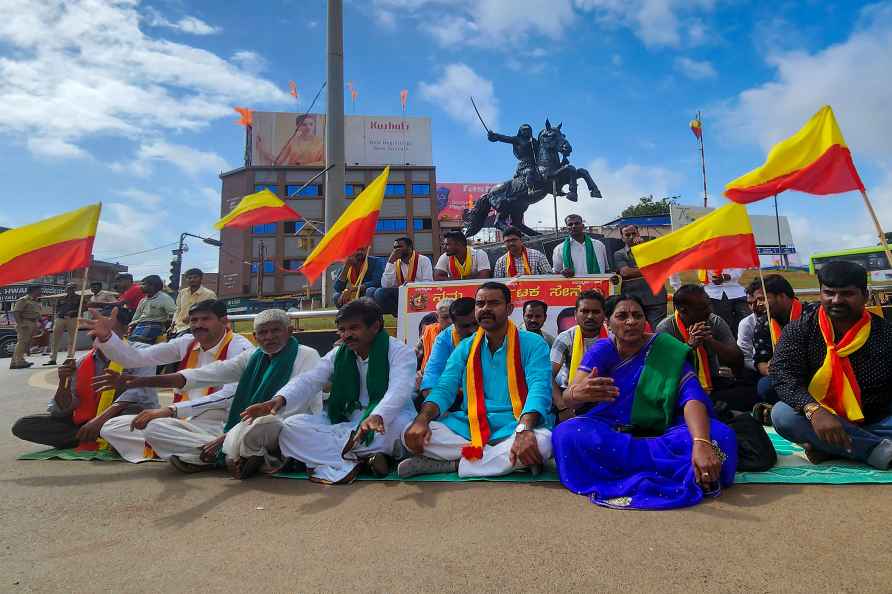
(265, 229)
(292, 227)
(352, 190)
(421, 189)
(395, 190)
(291, 264)
(271, 187)
(391, 226)
(311, 191)
(269, 267)
(422, 224)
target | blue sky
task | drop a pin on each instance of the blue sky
(131, 102)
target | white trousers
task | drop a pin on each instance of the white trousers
(496, 461)
(259, 438)
(177, 437)
(313, 440)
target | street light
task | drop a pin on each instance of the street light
(177, 264)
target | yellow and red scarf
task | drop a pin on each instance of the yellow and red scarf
(511, 264)
(834, 384)
(190, 361)
(355, 277)
(517, 389)
(579, 350)
(413, 270)
(774, 326)
(460, 271)
(90, 404)
(455, 337)
(703, 373)
(705, 278)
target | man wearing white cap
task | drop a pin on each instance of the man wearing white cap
(261, 373)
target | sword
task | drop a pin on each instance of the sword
(480, 117)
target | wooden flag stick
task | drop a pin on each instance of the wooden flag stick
(765, 297)
(80, 309)
(876, 222)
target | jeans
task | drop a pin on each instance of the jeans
(387, 298)
(369, 292)
(870, 443)
(146, 332)
(765, 390)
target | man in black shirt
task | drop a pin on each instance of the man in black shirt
(820, 406)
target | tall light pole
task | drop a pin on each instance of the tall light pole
(334, 125)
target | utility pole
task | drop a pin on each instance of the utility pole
(334, 126)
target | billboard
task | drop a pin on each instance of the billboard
(765, 228)
(454, 198)
(276, 139)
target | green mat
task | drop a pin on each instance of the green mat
(71, 454)
(548, 476)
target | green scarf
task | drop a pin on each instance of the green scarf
(656, 394)
(262, 378)
(344, 397)
(591, 262)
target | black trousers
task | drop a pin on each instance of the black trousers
(56, 432)
(730, 310)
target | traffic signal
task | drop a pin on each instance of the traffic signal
(175, 274)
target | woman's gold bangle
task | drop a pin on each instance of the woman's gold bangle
(704, 440)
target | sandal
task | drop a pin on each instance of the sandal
(762, 413)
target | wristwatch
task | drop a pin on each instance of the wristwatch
(173, 411)
(521, 427)
(810, 409)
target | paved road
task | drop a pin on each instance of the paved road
(89, 526)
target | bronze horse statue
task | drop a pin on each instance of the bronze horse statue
(551, 172)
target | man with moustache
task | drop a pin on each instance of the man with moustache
(535, 313)
(459, 261)
(747, 327)
(571, 345)
(261, 373)
(634, 283)
(202, 411)
(505, 420)
(464, 324)
(832, 374)
(404, 265)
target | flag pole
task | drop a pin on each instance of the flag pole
(780, 256)
(702, 160)
(80, 308)
(765, 297)
(876, 222)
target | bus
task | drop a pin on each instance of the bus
(873, 259)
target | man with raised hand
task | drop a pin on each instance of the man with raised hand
(201, 412)
(261, 373)
(571, 345)
(578, 254)
(505, 421)
(404, 265)
(369, 406)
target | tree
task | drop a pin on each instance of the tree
(648, 206)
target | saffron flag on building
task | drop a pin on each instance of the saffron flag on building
(815, 160)
(247, 116)
(353, 230)
(721, 239)
(257, 209)
(52, 246)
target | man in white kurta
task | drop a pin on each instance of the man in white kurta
(317, 442)
(201, 412)
(577, 245)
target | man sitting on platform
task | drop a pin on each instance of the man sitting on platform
(369, 406)
(202, 412)
(78, 411)
(518, 259)
(634, 283)
(578, 254)
(505, 421)
(153, 314)
(831, 370)
(460, 261)
(535, 313)
(713, 344)
(360, 276)
(261, 373)
(464, 324)
(405, 265)
(571, 345)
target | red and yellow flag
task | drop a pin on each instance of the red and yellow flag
(815, 160)
(697, 128)
(353, 230)
(257, 209)
(722, 239)
(51, 246)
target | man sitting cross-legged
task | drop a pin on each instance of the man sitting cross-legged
(370, 404)
(202, 411)
(831, 370)
(505, 421)
(464, 324)
(78, 411)
(261, 373)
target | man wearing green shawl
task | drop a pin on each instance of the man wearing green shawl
(372, 379)
(578, 254)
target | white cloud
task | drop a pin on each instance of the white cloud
(209, 197)
(250, 61)
(655, 22)
(141, 197)
(191, 161)
(74, 70)
(187, 24)
(451, 92)
(695, 69)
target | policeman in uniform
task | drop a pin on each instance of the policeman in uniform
(27, 313)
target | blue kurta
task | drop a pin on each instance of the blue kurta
(618, 470)
(499, 414)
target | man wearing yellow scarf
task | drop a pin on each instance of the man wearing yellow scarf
(832, 373)
(459, 261)
(504, 422)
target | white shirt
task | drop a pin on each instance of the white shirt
(745, 331)
(396, 400)
(231, 370)
(175, 351)
(479, 261)
(732, 288)
(577, 255)
(424, 272)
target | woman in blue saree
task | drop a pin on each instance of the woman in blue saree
(644, 436)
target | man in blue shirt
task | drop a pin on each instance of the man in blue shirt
(448, 442)
(464, 324)
(359, 277)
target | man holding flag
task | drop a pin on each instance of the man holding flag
(359, 277)
(404, 265)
